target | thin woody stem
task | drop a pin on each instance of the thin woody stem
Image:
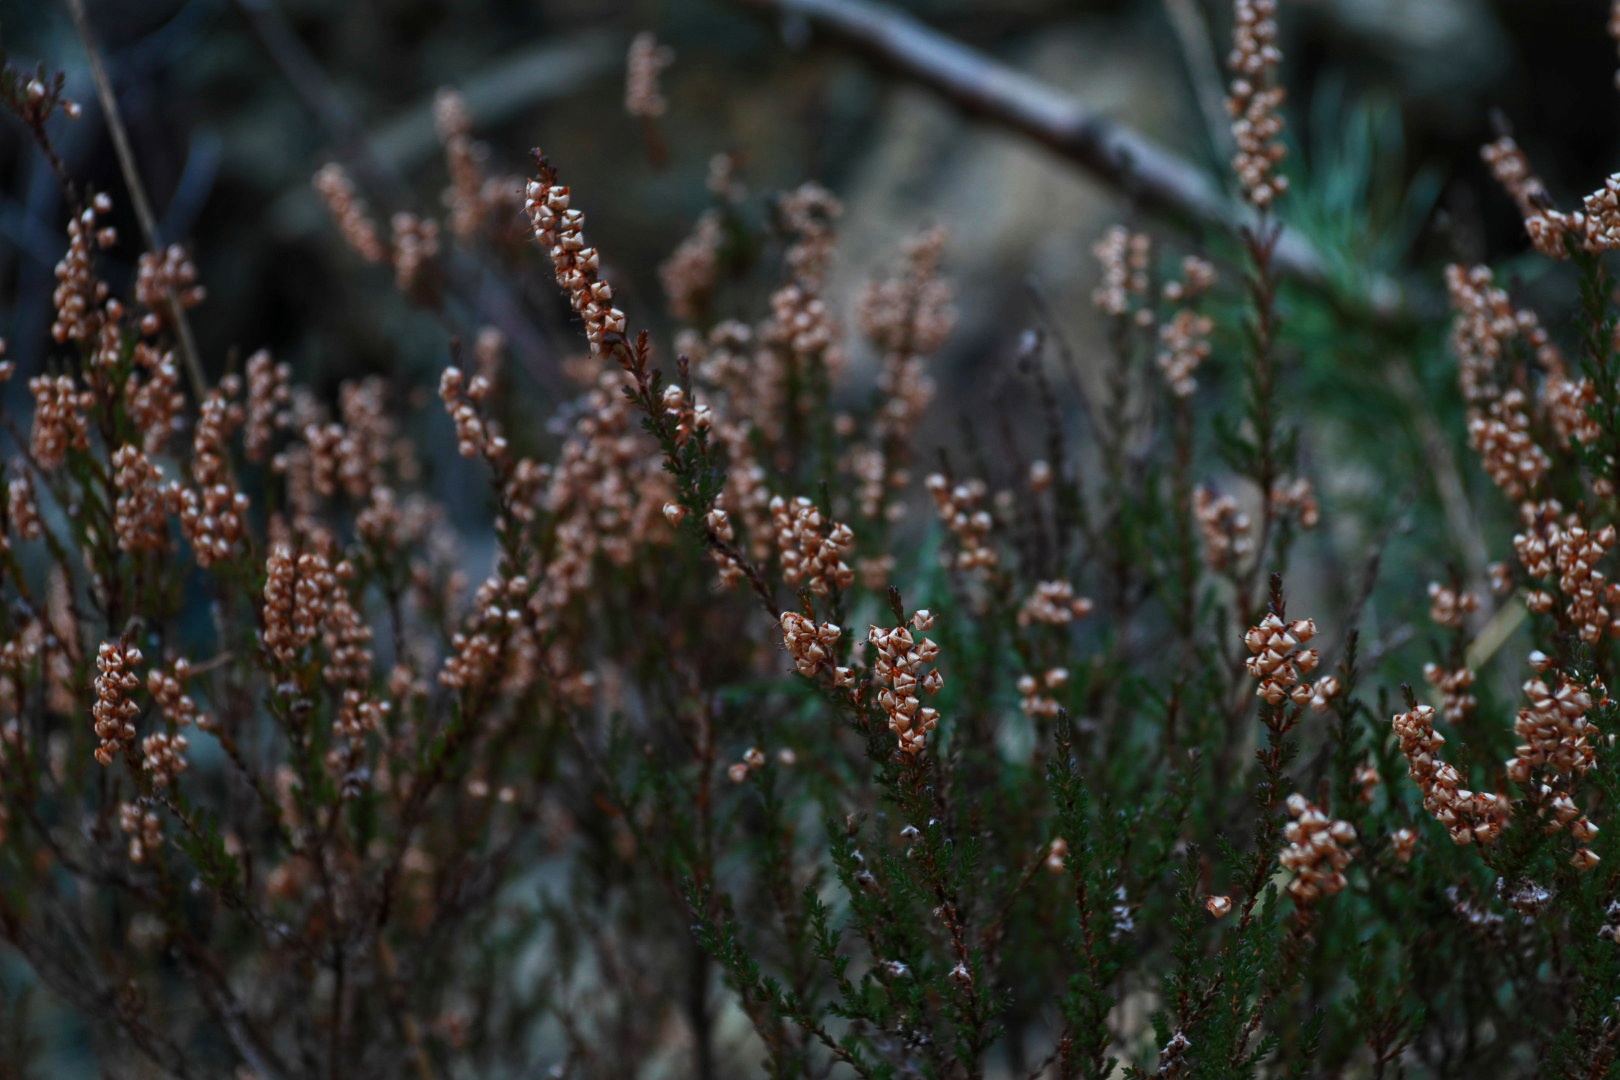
(137, 193)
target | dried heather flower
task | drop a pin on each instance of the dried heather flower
(1506, 448)
(475, 436)
(1317, 851)
(114, 712)
(489, 353)
(139, 516)
(1449, 607)
(802, 326)
(346, 637)
(1486, 331)
(473, 656)
(349, 210)
(560, 230)
(810, 213)
(1555, 731)
(752, 760)
(1223, 528)
(1173, 1063)
(465, 160)
(39, 98)
(1323, 692)
(325, 443)
(1457, 703)
(1485, 328)
(1610, 930)
(1469, 816)
(907, 318)
(1184, 345)
(152, 395)
(79, 293)
(368, 437)
(1367, 779)
(161, 275)
(1296, 498)
(1036, 693)
(143, 828)
(812, 646)
(692, 270)
(1277, 660)
(163, 757)
(1054, 604)
(416, 249)
(218, 416)
(1254, 101)
(687, 416)
(1512, 170)
(213, 515)
(22, 508)
(168, 690)
(59, 419)
(1601, 221)
(961, 509)
(297, 600)
(1125, 258)
(1197, 278)
(358, 716)
(1565, 547)
(268, 395)
(812, 549)
(903, 666)
(1546, 226)
(1218, 906)
(646, 61)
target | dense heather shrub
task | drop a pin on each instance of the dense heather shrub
(761, 746)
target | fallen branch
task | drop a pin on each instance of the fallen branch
(982, 87)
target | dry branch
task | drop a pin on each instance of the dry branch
(989, 90)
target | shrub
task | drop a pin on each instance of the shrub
(281, 791)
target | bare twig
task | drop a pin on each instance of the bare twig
(137, 191)
(985, 88)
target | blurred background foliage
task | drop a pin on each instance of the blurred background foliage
(1391, 100)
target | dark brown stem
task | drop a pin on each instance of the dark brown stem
(137, 192)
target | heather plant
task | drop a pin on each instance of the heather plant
(764, 742)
